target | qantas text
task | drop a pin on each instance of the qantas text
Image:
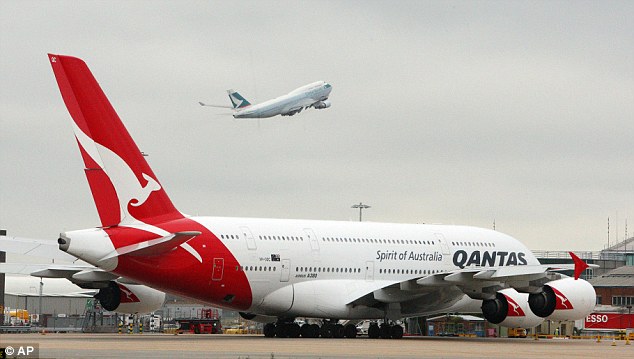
(408, 256)
(491, 259)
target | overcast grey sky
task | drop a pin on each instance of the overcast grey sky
(448, 112)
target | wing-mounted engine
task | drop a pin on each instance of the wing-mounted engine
(322, 104)
(292, 111)
(563, 299)
(130, 298)
(510, 309)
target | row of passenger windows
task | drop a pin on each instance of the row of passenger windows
(408, 271)
(362, 240)
(266, 238)
(336, 270)
(380, 241)
(335, 239)
(281, 238)
(473, 244)
(327, 270)
(255, 269)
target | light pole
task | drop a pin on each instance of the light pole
(361, 207)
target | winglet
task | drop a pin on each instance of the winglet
(580, 265)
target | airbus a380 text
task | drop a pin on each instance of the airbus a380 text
(274, 270)
(313, 95)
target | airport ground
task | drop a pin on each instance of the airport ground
(259, 347)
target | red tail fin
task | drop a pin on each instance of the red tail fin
(123, 185)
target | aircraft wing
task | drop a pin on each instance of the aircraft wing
(477, 283)
(28, 286)
(297, 107)
(42, 248)
(76, 271)
(31, 268)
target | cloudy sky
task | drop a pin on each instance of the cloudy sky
(462, 112)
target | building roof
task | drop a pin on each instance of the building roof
(619, 277)
(625, 245)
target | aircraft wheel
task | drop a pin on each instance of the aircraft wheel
(281, 330)
(326, 331)
(350, 331)
(306, 331)
(384, 331)
(396, 332)
(373, 331)
(269, 330)
(315, 330)
(293, 330)
(337, 331)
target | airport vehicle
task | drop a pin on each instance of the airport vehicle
(207, 322)
(18, 317)
(274, 270)
(313, 95)
(517, 333)
(154, 323)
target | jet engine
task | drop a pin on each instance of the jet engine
(322, 104)
(563, 299)
(510, 309)
(130, 298)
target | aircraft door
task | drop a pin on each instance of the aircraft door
(286, 270)
(312, 238)
(369, 270)
(218, 268)
(443, 243)
(248, 237)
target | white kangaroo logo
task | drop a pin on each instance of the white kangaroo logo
(564, 301)
(128, 293)
(127, 186)
(515, 307)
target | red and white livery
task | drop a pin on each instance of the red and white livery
(275, 270)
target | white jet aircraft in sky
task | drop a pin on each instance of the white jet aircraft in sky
(312, 95)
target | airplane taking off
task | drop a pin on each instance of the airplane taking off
(274, 270)
(312, 95)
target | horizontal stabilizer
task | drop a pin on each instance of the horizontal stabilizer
(153, 247)
(93, 275)
(219, 106)
(55, 271)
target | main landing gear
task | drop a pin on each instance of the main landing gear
(329, 329)
(385, 331)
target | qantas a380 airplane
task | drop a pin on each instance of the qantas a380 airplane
(275, 270)
(312, 95)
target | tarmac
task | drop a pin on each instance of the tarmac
(259, 347)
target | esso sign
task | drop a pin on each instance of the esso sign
(609, 321)
(597, 318)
